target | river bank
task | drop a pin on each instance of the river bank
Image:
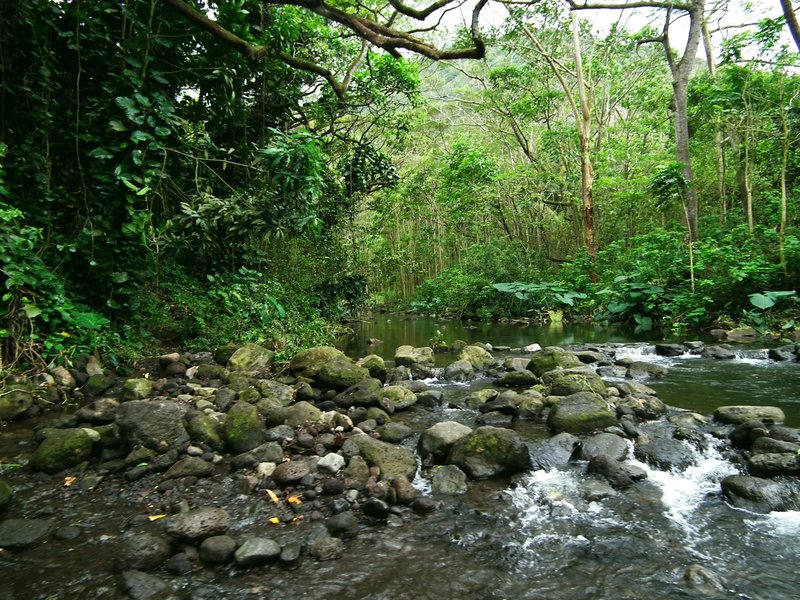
(216, 474)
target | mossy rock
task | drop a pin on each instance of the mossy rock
(518, 379)
(251, 357)
(552, 358)
(223, 354)
(137, 389)
(480, 397)
(568, 382)
(376, 367)
(239, 381)
(205, 430)
(243, 429)
(393, 461)
(408, 356)
(208, 371)
(6, 494)
(250, 395)
(97, 384)
(363, 393)
(580, 413)
(62, 449)
(477, 356)
(15, 399)
(400, 397)
(378, 415)
(269, 388)
(309, 362)
(436, 442)
(302, 413)
(490, 451)
(341, 373)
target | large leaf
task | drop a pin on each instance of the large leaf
(761, 301)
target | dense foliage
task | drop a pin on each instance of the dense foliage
(158, 187)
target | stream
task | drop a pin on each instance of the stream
(534, 538)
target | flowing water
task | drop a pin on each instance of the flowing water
(536, 537)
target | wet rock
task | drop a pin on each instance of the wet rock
(206, 430)
(554, 453)
(573, 381)
(643, 407)
(375, 508)
(191, 466)
(589, 357)
(516, 363)
(364, 393)
(460, 370)
(18, 534)
(271, 452)
(376, 367)
(62, 449)
(552, 358)
(302, 413)
(614, 471)
(242, 429)
(217, 550)
(718, 352)
(198, 524)
(63, 377)
(765, 445)
(477, 356)
(257, 551)
(518, 379)
(308, 363)
(490, 451)
(143, 552)
(704, 581)
(760, 495)
(580, 413)
(657, 447)
(326, 548)
(250, 357)
(784, 353)
(390, 459)
(608, 444)
(144, 586)
(397, 397)
(394, 433)
(343, 525)
(594, 490)
(408, 356)
(745, 434)
(153, 424)
(742, 414)
(357, 472)
(404, 490)
(331, 463)
(670, 349)
(6, 494)
(448, 480)
(436, 442)
(494, 418)
(341, 373)
(275, 391)
(479, 397)
(69, 533)
(688, 420)
(15, 399)
(209, 371)
(643, 371)
(103, 410)
(423, 505)
(634, 388)
(137, 389)
(429, 398)
(291, 470)
(773, 464)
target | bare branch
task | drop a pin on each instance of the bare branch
(586, 5)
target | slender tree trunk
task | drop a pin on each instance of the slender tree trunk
(718, 140)
(791, 21)
(682, 155)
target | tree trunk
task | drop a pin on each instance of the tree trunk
(682, 155)
(791, 21)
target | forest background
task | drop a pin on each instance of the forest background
(187, 174)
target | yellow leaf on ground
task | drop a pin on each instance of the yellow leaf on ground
(294, 500)
(274, 520)
(68, 481)
(156, 517)
(273, 496)
(297, 519)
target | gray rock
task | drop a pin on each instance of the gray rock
(97, 384)
(479, 397)
(552, 358)
(742, 414)
(565, 382)
(326, 548)
(642, 406)
(217, 550)
(490, 451)
(773, 464)
(63, 377)
(291, 470)
(152, 424)
(331, 463)
(243, 429)
(554, 453)
(364, 393)
(760, 495)
(516, 363)
(102, 410)
(704, 581)
(589, 357)
(376, 367)
(143, 552)
(448, 480)
(250, 357)
(688, 420)
(275, 391)
(607, 444)
(137, 389)
(436, 442)
(658, 447)
(390, 459)
(408, 356)
(144, 586)
(341, 373)
(198, 524)
(206, 430)
(617, 474)
(404, 490)
(62, 449)
(394, 433)
(302, 413)
(397, 397)
(670, 349)
(18, 534)
(343, 525)
(460, 370)
(257, 551)
(357, 472)
(518, 379)
(191, 466)
(15, 400)
(478, 357)
(718, 352)
(642, 371)
(269, 452)
(784, 353)
(308, 363)
(375, 508)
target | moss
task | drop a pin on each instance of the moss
(62, 449)
(243, 429)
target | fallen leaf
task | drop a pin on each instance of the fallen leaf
(68, 481)
(273, 496)
(294, 500)
(156, 517)
(297, 519)
(274, 520)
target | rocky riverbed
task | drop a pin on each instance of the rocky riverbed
(225, 463)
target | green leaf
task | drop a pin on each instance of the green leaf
(31, 310)
(761, 301)
(117, 125)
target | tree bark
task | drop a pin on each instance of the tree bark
(584, 131)
(791, 21)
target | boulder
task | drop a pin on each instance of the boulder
(302, 413)
(257, 551)
(580, 413)
(243, 429)
(271, 452)
(275, 391)
(394, 433)
(309, 362)
(250, 357)
(198, 524)
(143, 552)
(518, 379)
(658, 447)
(448, 480)
(63, 377)
(741, 414)
(376, 367)
(18, 534)
(552, 358)
(664, 349)
(479, 397)
(217, 549)
(489, 452)
(718, 352)
(408, 356)
(137, 389)
(619, 475)
(363, 393)
(397, 396)
(144, 586)
(436, 442)
(783, 353)
(476, 356)
(331, 463)
(291, 470)
(152, 424)
(15, 399)
(607, 444)
(97, 384)
(760, 495)
(460, 370)
(568, 382)
(644, 407)
(341, 373)
(642, 371)
(392, 460)
(62, 449)
(326, 548)
(516, 363)
(554, 453)
(102, 410)
(772, 464)
(191, 466)
(204, 429)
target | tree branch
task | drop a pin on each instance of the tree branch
(586, 5)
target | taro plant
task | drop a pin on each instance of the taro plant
(634, 300)
(763, 318)
(547, 296)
